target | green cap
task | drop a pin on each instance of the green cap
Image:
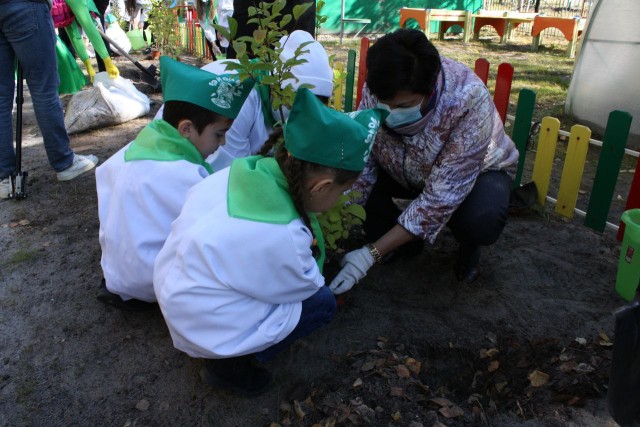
(223, 94)
(318, 134)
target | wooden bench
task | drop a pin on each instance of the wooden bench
(503, 22)
(447, 18)
(570, 28)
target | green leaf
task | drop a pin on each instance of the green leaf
(357, 211)
(277, 6)
(285, 20)
(232, 65)
(233, 28)
(240, 48)
(300, 9)
(223, 31)
(260, 35)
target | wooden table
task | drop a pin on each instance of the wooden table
(447, 18)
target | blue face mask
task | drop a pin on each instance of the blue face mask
(402, 116)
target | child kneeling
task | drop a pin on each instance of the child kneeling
(240, 276)
(142, 187)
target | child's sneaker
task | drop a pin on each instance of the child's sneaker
(5, 188)
(80, 165)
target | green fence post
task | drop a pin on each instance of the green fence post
(604, 183)
(522, 128)
(351, 75)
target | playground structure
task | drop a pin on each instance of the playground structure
(503, 22)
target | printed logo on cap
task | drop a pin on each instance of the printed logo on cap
(226, 89)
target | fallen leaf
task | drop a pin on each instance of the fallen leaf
(451, 411)
(24, 222)
(564, 357)
(357, 383)
(413, 365)
(584, 368)
(603, 336)
(567, 366)
(298, 409)
(13, 224)
(491, 336)
(574, 400)
(441, 401)
(538, 378)
(501, 386)
(396, 392)
(403, 371)
(581, 341)
(367, 366)
(493, 365)
(523, 363)
(142, 405)
(396, 416)
(488, 352)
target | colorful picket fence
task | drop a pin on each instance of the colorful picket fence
(192, 39)
(607, 170)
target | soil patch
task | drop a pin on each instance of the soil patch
(528, 344)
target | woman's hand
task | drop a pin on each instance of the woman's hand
(354, 265)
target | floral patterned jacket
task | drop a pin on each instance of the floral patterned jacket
(441, 155)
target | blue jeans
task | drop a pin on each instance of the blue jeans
(26, 33)
(317, 310)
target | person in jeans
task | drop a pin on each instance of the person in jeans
(442, 147)
(27, 35)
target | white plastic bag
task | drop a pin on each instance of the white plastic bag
(109, 102)
(119, 37)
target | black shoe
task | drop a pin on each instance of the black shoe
(236, 374)
(466, 267)
(115, 300)
(468, 276)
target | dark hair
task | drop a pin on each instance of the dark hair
(130, 8)
(175, 111)
(402, 60)
(296, 171)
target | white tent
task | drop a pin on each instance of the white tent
(606, 75)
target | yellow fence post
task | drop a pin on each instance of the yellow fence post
(572, 170)
(544, 156)
(338, 83)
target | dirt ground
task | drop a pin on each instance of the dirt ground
(528, 344)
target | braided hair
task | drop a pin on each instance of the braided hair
(297, 171)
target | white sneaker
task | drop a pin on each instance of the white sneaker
(80, 165)
(5, 188)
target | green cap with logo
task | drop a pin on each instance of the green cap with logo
(318, 134)
(223, 94)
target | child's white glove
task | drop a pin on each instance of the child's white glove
(354, 265)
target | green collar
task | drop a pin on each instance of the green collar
(258, 191)
(161, 141)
